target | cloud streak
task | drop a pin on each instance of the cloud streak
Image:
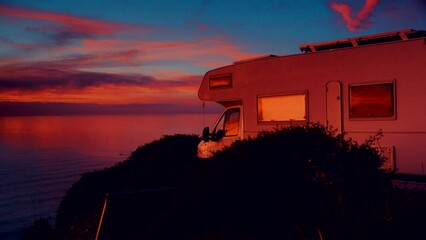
(74, 24)
(86, 60)
(204, 53)
(85, 42)
(61, 29)
(37, 78)
(361, 18)
(27, 83)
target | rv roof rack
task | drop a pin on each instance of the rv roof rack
(363, 40)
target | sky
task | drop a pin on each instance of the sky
(153, 54)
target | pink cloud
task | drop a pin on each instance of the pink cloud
(90, 69)
(93, 52)
(72, 23)
(205, 53)
(361, 17)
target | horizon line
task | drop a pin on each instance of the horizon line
(10, 109)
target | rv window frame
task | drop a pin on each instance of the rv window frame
(305, 93)
(370, 118)
(218, 77)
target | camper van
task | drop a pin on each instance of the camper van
(358, 85)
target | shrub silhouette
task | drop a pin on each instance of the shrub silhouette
(41, 229)
(155, 164)
(297, 182)
(300, 182)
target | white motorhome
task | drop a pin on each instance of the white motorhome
(358, 85)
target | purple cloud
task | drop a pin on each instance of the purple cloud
(36, 78)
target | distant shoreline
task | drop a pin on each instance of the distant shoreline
(9, 109)
(106, 114)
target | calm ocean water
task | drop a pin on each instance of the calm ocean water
(41, 157)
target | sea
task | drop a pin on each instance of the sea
(42, 156)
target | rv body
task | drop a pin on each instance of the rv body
(359, 86)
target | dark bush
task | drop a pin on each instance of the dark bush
(295, 183)
(156, 164)
(40, 230)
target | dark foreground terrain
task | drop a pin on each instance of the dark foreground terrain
(295, 183)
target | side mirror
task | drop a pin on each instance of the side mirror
(206, 134)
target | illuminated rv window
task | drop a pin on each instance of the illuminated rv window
(220, 81)
(282, 108)
(372, 101)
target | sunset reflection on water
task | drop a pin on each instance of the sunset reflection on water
(41, 157)
(89, 134)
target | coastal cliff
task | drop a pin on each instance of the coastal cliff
(293, 183)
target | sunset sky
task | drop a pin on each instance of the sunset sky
(154, 53)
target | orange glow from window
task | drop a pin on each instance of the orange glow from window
(232, 122)
(282, 108)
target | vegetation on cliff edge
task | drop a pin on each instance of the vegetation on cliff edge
(292, 183)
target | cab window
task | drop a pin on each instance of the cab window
(229, 122)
